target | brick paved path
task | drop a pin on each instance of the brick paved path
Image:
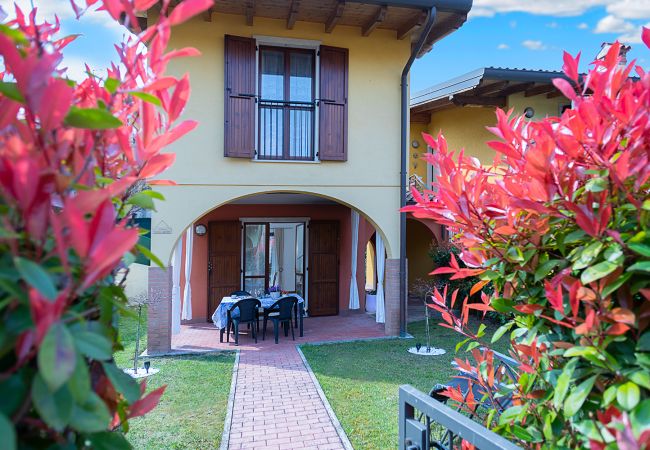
(277, 405)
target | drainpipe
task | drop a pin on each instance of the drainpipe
(426, 30)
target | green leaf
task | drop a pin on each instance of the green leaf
(111, 85)
(55, 408)
(578, 395)
(563, 382)
(644, 343)
(640, 417)
(641, 249)
(544, 269)
(8, 433)
(146, 252)
(503, 329)
(36, 277)
(13, 33)
(91, 417)
(510, 414)
(153, 194)
(481, 330)
(79, 383)
(461, 343)
(145, 96)
(641, 378)
(598, 271)
(91, 118)
(122, 382)
(12, 392)
(93, 344)
(142, 200)
(109, 441)
(620, 281)
(10, 90)
(596, 185)
(57, 356)
(609, 395)
(628, 395)
(643, 266)
(521, 433)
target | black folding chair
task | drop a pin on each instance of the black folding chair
(244, 311)
(281, 313)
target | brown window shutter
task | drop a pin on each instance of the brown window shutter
(239, 98)
(333, 115)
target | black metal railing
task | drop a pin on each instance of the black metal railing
(286, 130)
(426, 423)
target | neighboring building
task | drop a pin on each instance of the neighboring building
(299, 110)
(461, 109)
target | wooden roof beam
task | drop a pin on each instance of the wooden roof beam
(490, 88)
(424, 117)
(516, 88)
(250, 12)
(207, 16)
(375, 21)
(335, 16)
(556, 93)
(293, 14)
(411, 26)
(473, 100)
(538, 90)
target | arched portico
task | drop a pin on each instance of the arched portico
(186, 205)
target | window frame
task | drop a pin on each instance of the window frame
(288, 44)
(286, 112)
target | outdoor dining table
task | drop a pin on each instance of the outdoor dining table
(220, 315)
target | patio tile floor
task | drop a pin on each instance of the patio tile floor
(276, 403)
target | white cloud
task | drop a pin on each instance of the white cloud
(503, 46)
(583, 26)
(552, 25)
(556, 8)
(76, 68)
(626, 31)
(48, 9)
(630, 9)
(534, 45)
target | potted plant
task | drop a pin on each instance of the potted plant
(275, 291)
(371, 300)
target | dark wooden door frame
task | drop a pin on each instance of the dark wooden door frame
(267, 227)
(310, 277)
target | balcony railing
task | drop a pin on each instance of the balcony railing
(286, 130)
(425, 423)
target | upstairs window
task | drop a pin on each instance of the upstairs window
(286, 107)
(282, 103)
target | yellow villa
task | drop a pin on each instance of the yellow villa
(299, 160)
(462, 108)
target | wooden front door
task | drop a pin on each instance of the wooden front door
(224, 262)
(323, 268)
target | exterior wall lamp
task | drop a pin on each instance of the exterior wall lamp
(200, 229)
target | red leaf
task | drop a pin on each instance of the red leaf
(528, 309)
(565, 87)
(188, 9)
(645, 36)
(157, 164)
(147, 403)
(570, 66)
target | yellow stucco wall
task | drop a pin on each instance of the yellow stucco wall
(465, 127)
(368, 181)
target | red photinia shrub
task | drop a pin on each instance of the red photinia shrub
(75, 159)
(559, 225)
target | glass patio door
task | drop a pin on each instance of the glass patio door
(256, 243)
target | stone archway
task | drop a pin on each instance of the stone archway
(178, 213)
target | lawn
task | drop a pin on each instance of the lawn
(192, 410)
(361, 380)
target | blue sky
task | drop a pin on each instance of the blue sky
(507, 33)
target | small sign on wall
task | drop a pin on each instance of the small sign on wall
(162, 228)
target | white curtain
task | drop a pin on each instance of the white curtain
(187, 293)
(354, 288)
(381, 260)
(176, 287)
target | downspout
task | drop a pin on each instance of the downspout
(403, 167)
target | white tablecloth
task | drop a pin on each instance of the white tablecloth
(219, 318)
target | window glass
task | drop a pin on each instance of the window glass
(300, 81)
(272, 72)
